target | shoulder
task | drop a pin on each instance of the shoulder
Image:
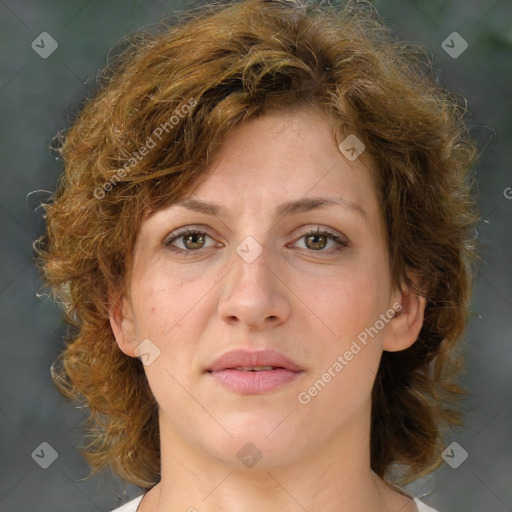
(421, 506)
(131, 506)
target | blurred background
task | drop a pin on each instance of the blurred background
(42, 87)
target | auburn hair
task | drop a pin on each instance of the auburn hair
(144, 140)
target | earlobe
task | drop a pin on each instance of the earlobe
(403, 330)
(122, 326)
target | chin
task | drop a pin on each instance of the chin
(259, 442)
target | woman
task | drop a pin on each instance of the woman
(264, 238)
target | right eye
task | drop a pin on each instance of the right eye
(191, 240)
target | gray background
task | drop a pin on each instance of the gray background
(39, 97)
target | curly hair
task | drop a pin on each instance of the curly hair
(145, 139)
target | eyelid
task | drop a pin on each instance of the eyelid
(338, 238)
(194, 228)
(305, 230)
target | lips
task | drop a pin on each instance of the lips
(253, 361)
(252, 373)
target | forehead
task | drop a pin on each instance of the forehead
(279, 158)
(280, 164)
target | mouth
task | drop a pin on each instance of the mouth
(250, 372)
(255, 368)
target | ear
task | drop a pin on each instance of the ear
(123, 326)
(404, 328)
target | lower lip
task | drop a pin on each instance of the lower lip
(254, 382)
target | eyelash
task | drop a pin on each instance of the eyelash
(341, 244)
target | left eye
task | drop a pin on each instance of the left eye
(193, 240)
(317, 240)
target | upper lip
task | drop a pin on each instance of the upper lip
(249, 358)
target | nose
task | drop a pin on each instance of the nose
(254, 293)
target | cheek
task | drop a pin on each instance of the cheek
(171, 309)
(163, 307)
(159, 298)
(349, 302)
(155, 311)
(348, 353)
(345, 300)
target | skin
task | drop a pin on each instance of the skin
(299, 296)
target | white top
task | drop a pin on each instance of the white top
(131, 506)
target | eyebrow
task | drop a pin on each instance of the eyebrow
(305, 204)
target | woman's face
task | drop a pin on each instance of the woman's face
(256, 277)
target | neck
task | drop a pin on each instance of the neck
(335, 478)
